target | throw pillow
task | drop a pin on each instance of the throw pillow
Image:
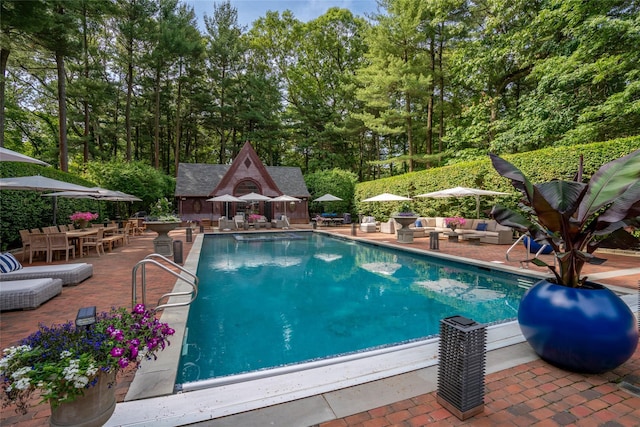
(418, 223)
(9, 263)
(481, 227)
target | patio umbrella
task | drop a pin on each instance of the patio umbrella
(40, 183)
(328, 198)
(285, 199)
(226, 198)
(463, 192)
(7, 155)
(97, 193)
(387, 197)
(255, 197)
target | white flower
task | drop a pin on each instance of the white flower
(22, 384)
(81, 382)
(64, 354)
(92, 370)
(19, 373)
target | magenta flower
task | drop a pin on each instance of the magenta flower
(139, 309)
(133, 350)
(123, 362)
(117, 352)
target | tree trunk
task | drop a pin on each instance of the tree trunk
(178, 105)
(156, 134)
(4, 57)
(62, 113)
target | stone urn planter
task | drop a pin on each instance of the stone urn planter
(163, 244)
(93, 408)
(404, 234)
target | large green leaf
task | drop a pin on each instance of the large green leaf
(625, 206)
(609, 184)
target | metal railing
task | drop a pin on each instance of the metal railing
(524, 263)
(154, 259)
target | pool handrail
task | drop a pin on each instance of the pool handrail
(524, 263)
(149, 259)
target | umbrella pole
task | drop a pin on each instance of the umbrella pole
(55, 210)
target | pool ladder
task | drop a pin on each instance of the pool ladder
(157, 260)
(524, 263)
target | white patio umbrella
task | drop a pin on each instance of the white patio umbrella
(285, 199)
(41, 183)
(226, 198)
(328, 198)
(7, 155)
(387, 197)
(463, 192)
(255, 197)
(97, 193)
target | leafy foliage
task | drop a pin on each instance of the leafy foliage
(338, 182)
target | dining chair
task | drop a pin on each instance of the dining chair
(63, 228)
(96, 242)
(25, 236)
(38, 243)
(60, 242)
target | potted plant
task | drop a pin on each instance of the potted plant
(162, 220)
(569, 321)
(83, 218)
(74, 367)
(454, 222)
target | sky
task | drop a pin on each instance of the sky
(303, 10)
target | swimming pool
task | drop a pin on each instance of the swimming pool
(272, 300)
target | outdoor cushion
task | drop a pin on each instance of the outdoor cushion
(481, 227)
(418, 223)
(70, 274)
(16, 294)
(9, 263)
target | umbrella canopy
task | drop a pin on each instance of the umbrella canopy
(226, 198)
(255, 197)
(463, 192)
(97, 193)
(40, 183)
(387, 197)
(328, 198)
(285, 198)
(7, 155)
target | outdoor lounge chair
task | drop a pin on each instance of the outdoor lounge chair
(388, 227)
(28, 294)
(225, 224)
(70, 274)
(368, 224)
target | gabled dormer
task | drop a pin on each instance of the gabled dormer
(247, 174)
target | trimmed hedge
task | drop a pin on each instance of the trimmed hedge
(540, 166)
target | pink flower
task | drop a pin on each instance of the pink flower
(117, 352)
(123, 362)
(86, 216)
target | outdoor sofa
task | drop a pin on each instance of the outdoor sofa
(488, 230)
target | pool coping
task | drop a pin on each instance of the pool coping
(154, 382)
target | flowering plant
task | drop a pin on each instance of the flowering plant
(87, 216)
(254, 217)
(454, 221)
(161, 211)
(64, 360)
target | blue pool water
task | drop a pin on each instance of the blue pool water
(266, 302)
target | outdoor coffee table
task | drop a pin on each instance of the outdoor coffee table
(473, 239)
(453, 236)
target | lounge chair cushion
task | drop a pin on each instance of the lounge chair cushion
(17, 294)
(9, 263)
(70, 274)
(481, 227)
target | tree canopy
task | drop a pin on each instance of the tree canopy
(422, 83)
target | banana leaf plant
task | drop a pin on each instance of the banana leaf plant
(574, 217)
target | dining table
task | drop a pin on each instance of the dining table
(80, 234)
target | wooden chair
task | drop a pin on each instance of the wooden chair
(63, 228)
(49, 230)
(25, 236)
(38, 242)
(60, 242)
(35, 231)
(96, 242)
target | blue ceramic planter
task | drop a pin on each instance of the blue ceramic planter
(588, 329)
